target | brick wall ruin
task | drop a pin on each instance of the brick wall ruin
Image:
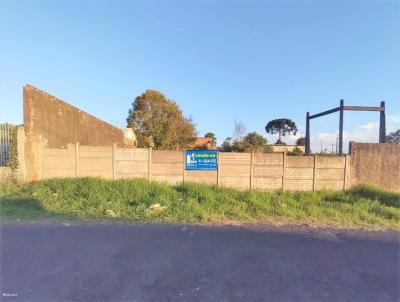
(55, 124)
(377, 164)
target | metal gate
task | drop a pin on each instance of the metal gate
(5, 142)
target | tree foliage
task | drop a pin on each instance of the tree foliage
(393, 137)
(159, 122)
(252, 142)
(296, 152)
(280, 142)
(282, 127)
(301, 141)
(226, 145)
(214, 139)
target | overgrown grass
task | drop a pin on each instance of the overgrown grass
(197, 203)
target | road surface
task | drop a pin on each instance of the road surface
(146, 262)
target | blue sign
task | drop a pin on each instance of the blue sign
(201, 160)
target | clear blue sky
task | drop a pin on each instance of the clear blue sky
(221, 61)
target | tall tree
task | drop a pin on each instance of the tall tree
(214, 139)
(226, 145)
(393, 137)
(282, 127)
(159, 122)
(239, 131)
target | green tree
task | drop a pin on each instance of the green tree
(282, 127)
(255, 142)
(296, 152)
(226, 145)
(252, 142)
(393, 137)
(214, 139)
(159, 122)
(301, 141)
(280, 142)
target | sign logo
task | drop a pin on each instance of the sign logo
(201, 160)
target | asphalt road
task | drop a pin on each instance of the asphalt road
(143, 262)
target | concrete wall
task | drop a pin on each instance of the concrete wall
(5, 173)
(271, 171)
(376, 164)
(55, 124)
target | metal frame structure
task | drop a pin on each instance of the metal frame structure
(341, 109)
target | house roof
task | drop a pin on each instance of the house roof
(203, 141)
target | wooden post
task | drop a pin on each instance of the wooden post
(77, 159)
(184, 168)
(283, 170)
(149, 165)
(341, 128)
(345, 172)
(251, 168)
(382, 125)
(218, 167)
(314, 184)
(308, 149)
(114, 161)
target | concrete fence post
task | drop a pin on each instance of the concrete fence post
(184, 170)
(114, 160)
(218, 167)
(251, 168)
(346, 171)
(314, 183)
(283, 170)
(77, 159)
(149, 165)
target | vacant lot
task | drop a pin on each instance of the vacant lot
(139, 200)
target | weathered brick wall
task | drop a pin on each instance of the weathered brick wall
(375, 164)
(54, 123)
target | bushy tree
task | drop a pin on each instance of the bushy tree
(280, 142)
(296, 152)
(256, 142)
(282, 127)
(301, 141)
(393, 137)
(226, 145)
(252, 142)
(159, 122)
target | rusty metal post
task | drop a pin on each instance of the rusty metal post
(382, 125)
(308, 134)
(341, 128)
